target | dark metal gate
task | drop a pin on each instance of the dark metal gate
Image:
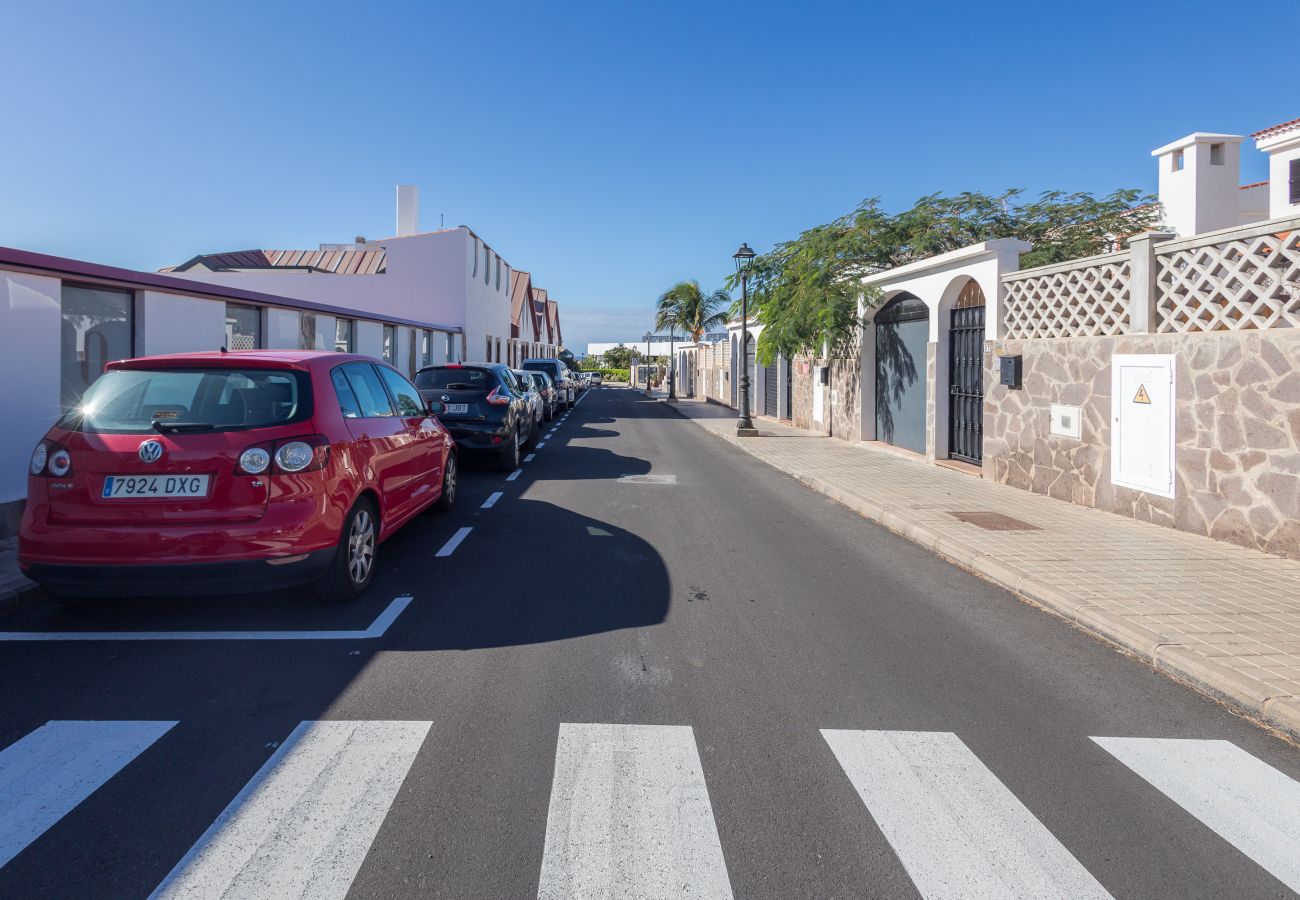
(966, 385)
(789, 390)
(769, 390)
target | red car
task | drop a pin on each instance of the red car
(217, 472)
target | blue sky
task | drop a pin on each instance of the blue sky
(610, 148)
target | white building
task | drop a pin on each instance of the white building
(1282, 144)
(451, 276)
(62, 320)
(1199, 177)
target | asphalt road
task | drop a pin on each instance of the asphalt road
(652, 667)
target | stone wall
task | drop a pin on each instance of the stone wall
(1237, 433)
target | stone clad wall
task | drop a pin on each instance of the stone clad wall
(1237, 457)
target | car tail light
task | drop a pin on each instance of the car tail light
(305, 454)
(60, 463)
(49, 459)
(40, 456)
(496, 398)
(253, 461)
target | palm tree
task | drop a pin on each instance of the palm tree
(686, 307)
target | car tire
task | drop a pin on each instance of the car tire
(450, 479)
(353, 566)
(508, 460)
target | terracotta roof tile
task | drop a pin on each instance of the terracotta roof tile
(1276, 129)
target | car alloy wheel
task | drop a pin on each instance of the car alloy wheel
(449, 481)
(361, 547)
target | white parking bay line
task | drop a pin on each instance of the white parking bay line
(957, 829)
(49, 772)
(1244, 800)
(539, 447)
(450, 547)
(491, 501)
(516, 473)
(530, 457)
(630, 817)
(376, 629)
(302, 826)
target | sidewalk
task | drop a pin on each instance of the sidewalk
(1221, 618)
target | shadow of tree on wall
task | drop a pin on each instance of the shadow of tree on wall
(896, 369)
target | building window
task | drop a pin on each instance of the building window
(1216, 154)
(1293, 196)
(306, 331)
(475, 272)
(390, 343)
(243, 327)
(489, 349)
(426, 348)
(498, 273)
(1176, 161)
(452, 355)
(96, 329)
(343, 331)
(487, 264)
(498, 359)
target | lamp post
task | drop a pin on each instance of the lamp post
(648, 335)
(672, 361)
(744, 257)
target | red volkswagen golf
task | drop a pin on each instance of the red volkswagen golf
(218, 472)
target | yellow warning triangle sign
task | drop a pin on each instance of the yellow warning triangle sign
(1142, 395)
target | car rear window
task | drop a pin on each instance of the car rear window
(541, 367)
(461, 379)
(135, 401)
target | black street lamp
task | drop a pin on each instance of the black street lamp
(648, 335)
(672, 361)
(744, 257)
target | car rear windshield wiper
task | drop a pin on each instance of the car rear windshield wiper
(177, 427)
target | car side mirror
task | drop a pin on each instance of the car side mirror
(436, 407)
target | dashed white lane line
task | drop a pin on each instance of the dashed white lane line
(1247, 802)
(48, 773)
(630, 817)
(539, 447)
(302, 826)
(516, 473)
(376, 629)
(450, 547)
(957, 829)
(530, 457)
(491, 501)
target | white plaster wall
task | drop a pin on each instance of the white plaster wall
(369, 339)
(1201, 196)
(29, 343)
(487, 306)
(172, 323)
(1279, 177)
(282, 329)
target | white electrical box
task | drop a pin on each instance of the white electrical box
(1067, 421)
(1142, 423)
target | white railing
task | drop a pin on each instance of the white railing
(1239, 278)
(1086, 297)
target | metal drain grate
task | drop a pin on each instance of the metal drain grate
(994, 521)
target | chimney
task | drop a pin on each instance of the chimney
(408, 209)
(1199, 182)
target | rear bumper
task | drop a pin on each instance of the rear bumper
(185, 579)
(478, 436)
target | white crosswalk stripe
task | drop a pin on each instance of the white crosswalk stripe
(630, 817)
(302, 826)
(1244, 800)
(958, 831)
(49, 772)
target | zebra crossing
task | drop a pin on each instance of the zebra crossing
(630, 811)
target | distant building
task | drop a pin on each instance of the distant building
(659, 344)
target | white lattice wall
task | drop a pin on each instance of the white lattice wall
(1086, 298)
(1238, 279)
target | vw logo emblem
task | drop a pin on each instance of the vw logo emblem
(151, 451)
(445, 398)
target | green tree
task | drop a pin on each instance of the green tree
(806, 291)
(620, 357)
(687, 308)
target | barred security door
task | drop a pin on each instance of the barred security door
(966, 385)
(789, 393)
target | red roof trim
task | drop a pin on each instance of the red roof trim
(1275, 129)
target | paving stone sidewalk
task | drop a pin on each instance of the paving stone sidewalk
(1222, 618)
